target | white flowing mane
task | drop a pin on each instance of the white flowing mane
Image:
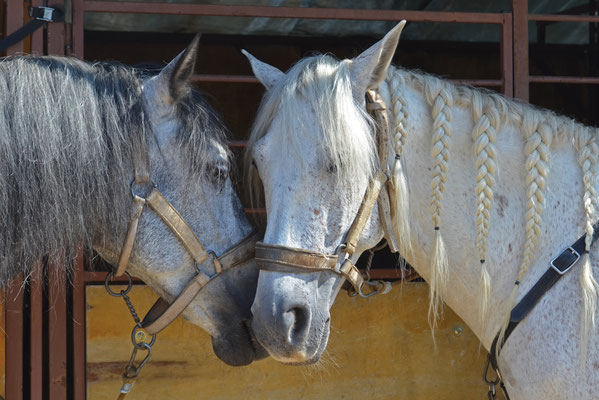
(324, 83)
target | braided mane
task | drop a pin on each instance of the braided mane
(540, 130)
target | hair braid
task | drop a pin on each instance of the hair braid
(539, 136)
(440, 98)
(587, 158)
(486, 120)
(400, 208)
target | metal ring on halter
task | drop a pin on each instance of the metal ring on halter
(140, 345)
(383, 288)
(107, 284)
(215, 261)
(142, 190)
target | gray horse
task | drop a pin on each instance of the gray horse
(71, 136)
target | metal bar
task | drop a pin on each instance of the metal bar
(57, 327)
(225, 78)
(56, 35)
(214, 78)
(291, 12)
(237, 143)
(13, 314)
(78, 7)
(391, 273)
(576, 80)
(37, 37)
(36, 332)
(477, 82)
(79, 353)
(520, 40)
(507, 56)
(15, 13)
(98, 277)
(563, 18)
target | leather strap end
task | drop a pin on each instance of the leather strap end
(352, 274)
(138, 206)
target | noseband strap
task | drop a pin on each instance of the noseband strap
(162, 313)
(288, 259)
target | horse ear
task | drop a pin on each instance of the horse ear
(266, 74)
(370, 67)
(177, 74)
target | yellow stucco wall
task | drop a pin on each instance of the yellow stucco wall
(380, 348)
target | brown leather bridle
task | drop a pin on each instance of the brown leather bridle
(380, 190)
(162, 314)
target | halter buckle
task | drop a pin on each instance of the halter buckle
(565, 261)
(218, 267)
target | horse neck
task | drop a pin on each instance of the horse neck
(562, 216)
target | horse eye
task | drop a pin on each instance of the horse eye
(332, 169)
(218, 174)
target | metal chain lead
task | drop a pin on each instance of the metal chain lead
(131, 371)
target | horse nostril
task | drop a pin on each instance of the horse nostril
(297, 321)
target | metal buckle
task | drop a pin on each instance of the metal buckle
(42, 13)
(559, 271)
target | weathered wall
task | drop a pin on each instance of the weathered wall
(380, 348)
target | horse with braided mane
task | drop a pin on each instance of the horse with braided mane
(488, 191)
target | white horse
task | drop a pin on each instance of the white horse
(74, 136)
(488, 192)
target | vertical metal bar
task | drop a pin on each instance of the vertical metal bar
(14, 20)
(56, 35)
(593, 58)
(13, 310)
(521, 77)
(78, 28)
(37, 37)
(507, 56)
(79, 352)
(57, 330)
(36, 345)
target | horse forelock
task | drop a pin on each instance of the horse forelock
(345, 136)
(68, 133)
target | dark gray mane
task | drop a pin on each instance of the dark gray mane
(68, 131)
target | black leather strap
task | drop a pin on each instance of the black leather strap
(39, 15)
(558, 267)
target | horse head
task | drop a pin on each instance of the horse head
(314, 149)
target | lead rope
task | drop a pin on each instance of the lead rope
(137, 338)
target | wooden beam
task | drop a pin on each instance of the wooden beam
(13, 311)
(79, 353)
(36, 332)
(57, 330)
(56, 35)
(521, 81)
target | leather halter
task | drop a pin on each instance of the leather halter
(380, 190)
(162, 313)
